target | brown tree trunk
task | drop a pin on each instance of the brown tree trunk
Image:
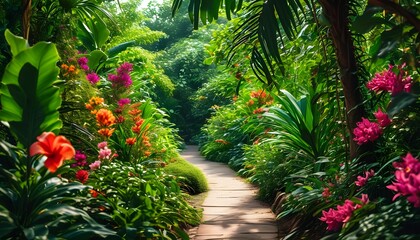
(26, 18)
(337, 12)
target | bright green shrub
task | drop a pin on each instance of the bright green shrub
(190, 176)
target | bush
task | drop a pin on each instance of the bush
(190, 176)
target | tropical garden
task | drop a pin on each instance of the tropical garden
(315, 102)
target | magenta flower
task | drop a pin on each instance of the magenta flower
(335, 218)
(122, 79)
(123, 101)
(83, 63)
(80, 158)
(361, 181)
(407, 178)
(95, 165)
(93, 78)
(382, 118)
(366, 131)
(390, 82)
(125, 68)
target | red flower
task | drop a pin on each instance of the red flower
(55, 148)
(130, 141)
(82, 176)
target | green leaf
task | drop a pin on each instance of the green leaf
(401, 101)
(17, 44)
(95, 58)
(29, 99)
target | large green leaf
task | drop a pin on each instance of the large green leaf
(29, 99)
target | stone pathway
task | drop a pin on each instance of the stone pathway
(231, 210)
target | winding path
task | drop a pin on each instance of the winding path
(231, 210)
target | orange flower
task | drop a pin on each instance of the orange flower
(105, 118)
(147, 153)
(96, 101)
(55, 148)
(106, 132)
(134, 112)
(130, 141)
(89, 106)
(250, 102)
(139, 122)
(64, 66)
(93, 193)
(136, 129)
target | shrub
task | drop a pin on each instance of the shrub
(190, 176)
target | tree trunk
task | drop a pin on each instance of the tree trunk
(26, 18)
(337, 12)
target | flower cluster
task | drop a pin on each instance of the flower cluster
(122, 78)
(94, 102)
(367, 131)
(361, 181)
(104, 152)
(336, 218)
(69, 71)
(262, 97)
(91, 76)
(389, 81)
(80, 158)
(407, 178)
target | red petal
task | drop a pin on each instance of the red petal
(53, 162)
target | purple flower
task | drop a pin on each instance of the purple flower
(93, 78)
(83, 63)
(125, 68)
(123, 101)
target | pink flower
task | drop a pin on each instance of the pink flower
(335, 218)
(366, 131)
(102, 145)
(390, 82)
(95, 165)
(93, 78)
(382, 118)
(123, 101)
(361, 181)
(122, 79)
(83, 63)
(82, 176)
(407, 181)
(104, 153)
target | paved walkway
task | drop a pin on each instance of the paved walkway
(231, 210)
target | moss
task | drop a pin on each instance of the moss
(191, 177)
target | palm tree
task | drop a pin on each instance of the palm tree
(269, 21)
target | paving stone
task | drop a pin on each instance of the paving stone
(231, 210)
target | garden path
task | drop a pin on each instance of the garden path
(231, 210)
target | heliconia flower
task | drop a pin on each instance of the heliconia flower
(105, 118)
(130, 141)
(105, 153)
(55, 148)
(361, 181)
(258, 94)
(382, 118)
(82, 176)
(95, 165)
(407, 178)
(93, 78)
(123, 101)
(366, 131)
(134, 112)
(102, 145)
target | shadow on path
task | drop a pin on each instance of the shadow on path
(231, 210)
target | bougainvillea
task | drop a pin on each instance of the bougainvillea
(407, 180)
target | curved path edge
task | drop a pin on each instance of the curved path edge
(231, 210)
